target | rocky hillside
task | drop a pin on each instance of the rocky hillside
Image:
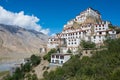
(19, 42)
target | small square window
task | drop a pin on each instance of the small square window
(61, 62)
(53, 56)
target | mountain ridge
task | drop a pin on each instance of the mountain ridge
(16, 41)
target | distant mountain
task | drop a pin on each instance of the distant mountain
(16, 40)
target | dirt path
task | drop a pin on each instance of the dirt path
(39, 70)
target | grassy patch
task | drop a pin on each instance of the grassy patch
(4, 73)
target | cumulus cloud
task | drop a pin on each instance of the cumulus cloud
(20, 19)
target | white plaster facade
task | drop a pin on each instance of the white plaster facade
(59, 59)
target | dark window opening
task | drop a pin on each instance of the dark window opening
(61, 57)
(61, 62)
(57, 56)
(52, 61)
(53, 56)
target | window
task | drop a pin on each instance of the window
(75, 42)
(100, 32)
(61, 62)
(52, 61)
(94, 37)
(99, 25)
(61, 57)
(53, 56)
(57, 56)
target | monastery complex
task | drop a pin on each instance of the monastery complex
(88, 26)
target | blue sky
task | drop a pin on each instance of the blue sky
(53, 14)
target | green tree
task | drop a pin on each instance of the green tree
(34, 77)
(116, 74)
(87, 44)
(18, 75)
(28, 76)
(69, 51)
(48, 55)
(27, 67)
(35, 60)
(45, 74)
(8, 77)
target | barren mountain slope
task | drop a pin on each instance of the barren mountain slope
(17, 42)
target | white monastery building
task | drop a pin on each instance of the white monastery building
(87, 26)
(59, 59)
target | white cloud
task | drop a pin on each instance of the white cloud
(53, 34)
(45, 31)
(20, 19)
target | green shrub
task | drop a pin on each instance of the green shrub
(87, 44)
(34, 77)
(45, 74)
(69, 51)
(48, 55)
(35, 60)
